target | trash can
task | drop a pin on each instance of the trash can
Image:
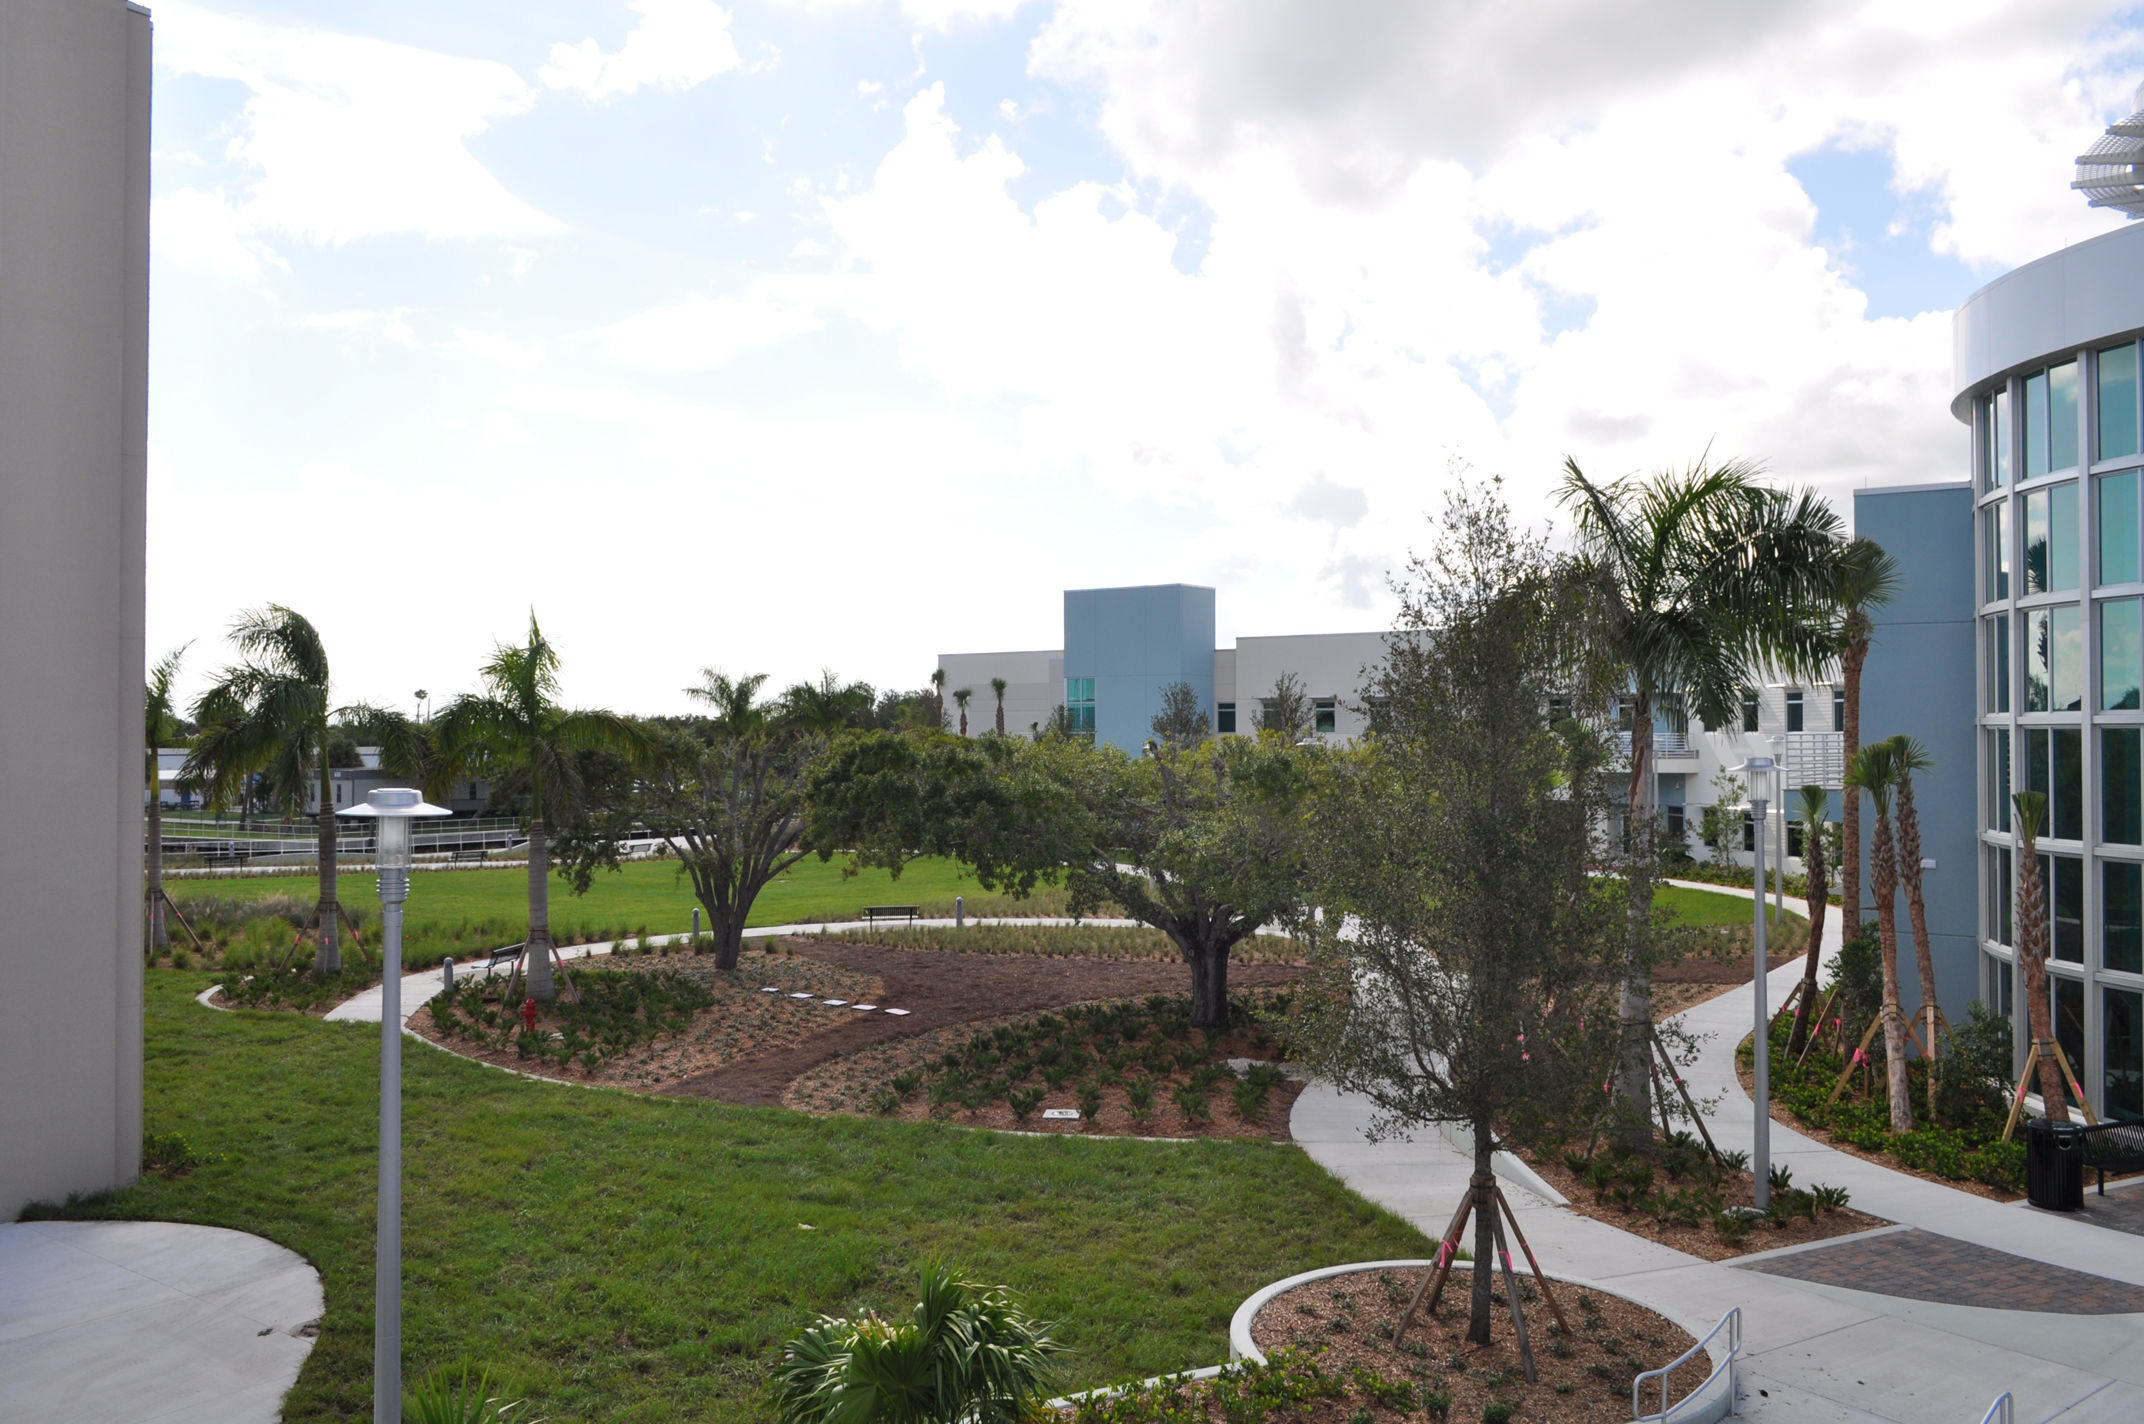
(2054, 1165)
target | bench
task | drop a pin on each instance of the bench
(511, 954)
(463, 857)
(2113, 1147)
(874, 913)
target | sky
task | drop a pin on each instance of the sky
(842, 333)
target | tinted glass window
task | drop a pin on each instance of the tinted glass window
(2067, 812)
(2117, 402)
(2121, 938)
(2002, 436)
(1998, 752)
(2122, 1043)
(2118, 528)
(2036, 426)
(1995, 532)
(1794, 711)
(2066, 666)
(2065, 903)
(1998, 663)
(2039, 649)
(2121, 654)
(2063, 565)
(2062, 416)
(2037, 578)
(2121, 785)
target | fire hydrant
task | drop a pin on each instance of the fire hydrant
(528, 1014)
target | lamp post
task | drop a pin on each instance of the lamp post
(393, 807)
(1758, 770)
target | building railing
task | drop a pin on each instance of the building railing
(2002, 1411)
(1667, 744)
(228, 840)
(1814, 759)
(1731, 1322)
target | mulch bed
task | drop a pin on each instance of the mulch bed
(940, 989)
(1584, 1376)
(1705, 1241)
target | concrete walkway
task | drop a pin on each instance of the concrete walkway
(149, 1322)
(1814, 1352)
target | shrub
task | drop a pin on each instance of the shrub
(438, 1399)
(1438, 1404)
(1192, 1104)
(1024, 1101)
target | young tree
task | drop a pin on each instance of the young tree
(1816, 810)
(516, 726)
(1874, 771)
(1181, 722)
(1863, 579)
(159, 724)
(2031, 934)
(997, 688)
(1286, 710)
(961, 696)
(1695, 577)
(1909, 756)
(1456, 846)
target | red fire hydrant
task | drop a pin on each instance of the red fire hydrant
(528, 1014)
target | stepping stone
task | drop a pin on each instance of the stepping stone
(867, 1008)
(1061, 1114)
(776, 988)
(837, 1003)
(800, 996)
(898, 1013)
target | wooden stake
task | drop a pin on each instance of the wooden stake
(1511, 1300)
(1687, 1101)
(1546, 1293)
(173, 905)
(1855, 1061)
(2069, 1074)
(1447, 1251)
(1817, 1025)
(1660, 1096)
(2017, 1099)
(1787, 1004)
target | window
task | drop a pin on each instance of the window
(1999, 891)
(1327, 716)
(1998, 783)
(1999, 435)
(1838, 706)
(1677, 828)
(2055, 769)
(2118, 528)
(1749, 710)
(1998, 699)
(2121, 1041)
(1995, 533)
(2069, 1020)
(1381, 712)
(2051, 540)
(2054, 659)
(2064, 876)
(2036, 426)
(2117, 402)
(2121, 654)
(2121, 916)
(1998, 989)
(1749, 831)
(1079, 705)
(1794, 840)
(2062, 416)
(1224, 717)
(2121, 785)
(1794, 711)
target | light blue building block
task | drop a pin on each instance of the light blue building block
(1133, 642)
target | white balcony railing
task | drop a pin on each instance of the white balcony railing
(1667, 745)
(1814, 759)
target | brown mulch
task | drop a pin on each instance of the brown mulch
(940, 988)
(1584, 1377)
(1704, 1241)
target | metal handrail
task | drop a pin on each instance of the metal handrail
(2002, 1411)
(1731, 1322)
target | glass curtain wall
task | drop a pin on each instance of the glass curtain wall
(2059, 464)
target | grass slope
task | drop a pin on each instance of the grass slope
(1707, 907)
(623, 1257)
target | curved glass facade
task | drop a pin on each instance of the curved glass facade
(2061, 705)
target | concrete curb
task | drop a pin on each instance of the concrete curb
(1714, 1401)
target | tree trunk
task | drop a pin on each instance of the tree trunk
(1001, 716)
(158, 935)
(1857, 652)
(1883, 857)
(2031, 936)
(1819, 903)
(1635, 1005)
(1209, 983)
(1484, 1185)
(1909, 874)
(541, 989)
(328, 958)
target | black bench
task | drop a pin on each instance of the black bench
(509, 955)
(874, 913)
(2113, 1147)
(464, 856)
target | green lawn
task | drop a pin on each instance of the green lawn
(626, 1258)
(646, 892)
(1704, 907)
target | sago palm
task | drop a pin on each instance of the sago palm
(159, 724)
(517, 725)
(965, 1355)
(1697, 577)
(1874, 772)
(1815, 810)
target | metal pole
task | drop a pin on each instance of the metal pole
(387, 1286)
(1760, 1158)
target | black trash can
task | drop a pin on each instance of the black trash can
(2054, 1165)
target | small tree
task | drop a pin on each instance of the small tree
(828, 705)
(961, 696)
(1874, 771)
(1909, 756)
(1457, 847)
(997, 690)
(1721, 822)
(160, 723)
(1816, 810)
(2031, 936)
(1181, 722)
(938, 697)
(1286, 710)
(1863, 578)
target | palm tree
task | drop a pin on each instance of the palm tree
(1874, 770)
(2031, 936)
(738, 712)
(1864, 578)
(1697, 576)
(159, 724)
(825, 706)
(938, 696)
(966, 1355)
(1815, 809)
(266, 718)
(1909, 756)
(997, 687)
(961, 696)
(516, 724)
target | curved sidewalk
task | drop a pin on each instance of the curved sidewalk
(1814, 1352)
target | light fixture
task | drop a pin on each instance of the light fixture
(393, 808)
(1760, 1156)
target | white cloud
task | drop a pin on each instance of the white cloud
(354, 138)
(502, 350)
(701, 333)
(677, 44)
(190, 226)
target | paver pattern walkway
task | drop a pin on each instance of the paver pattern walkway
(1920, 1265)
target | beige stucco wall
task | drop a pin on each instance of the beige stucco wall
(74, 293)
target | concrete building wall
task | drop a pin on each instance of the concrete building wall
(1329, 665)
(1919, 681)
(1035, 684)
(1133, 642)
(74, 264)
